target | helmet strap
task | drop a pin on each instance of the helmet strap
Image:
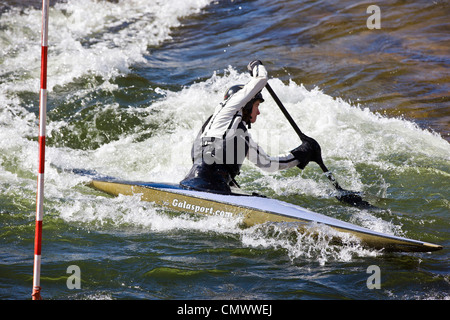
(247, 112)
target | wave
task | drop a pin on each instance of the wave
(96, 123)
(86, 37)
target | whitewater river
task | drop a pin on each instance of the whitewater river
(131, 82)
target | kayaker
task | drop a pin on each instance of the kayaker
(224, 140)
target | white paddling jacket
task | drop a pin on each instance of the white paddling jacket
(225, 140)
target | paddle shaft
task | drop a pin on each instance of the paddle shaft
(302, 136)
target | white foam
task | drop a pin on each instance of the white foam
(106, 39)
(315, 243)
(85, 37)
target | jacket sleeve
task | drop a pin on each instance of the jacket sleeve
(227, 110)
(255, 85)
(261, 159)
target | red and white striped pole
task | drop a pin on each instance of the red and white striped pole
(36, 295)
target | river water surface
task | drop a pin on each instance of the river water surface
(130, 83)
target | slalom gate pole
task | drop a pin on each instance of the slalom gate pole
(36, 295)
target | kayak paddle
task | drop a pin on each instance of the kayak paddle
(349, 197)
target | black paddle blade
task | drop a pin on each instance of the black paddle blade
(353, 199)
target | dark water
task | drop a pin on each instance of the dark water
(130, 82)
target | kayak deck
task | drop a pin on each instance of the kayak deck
(253, 210)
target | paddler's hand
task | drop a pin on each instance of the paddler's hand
(308, 151)
(253, 64)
